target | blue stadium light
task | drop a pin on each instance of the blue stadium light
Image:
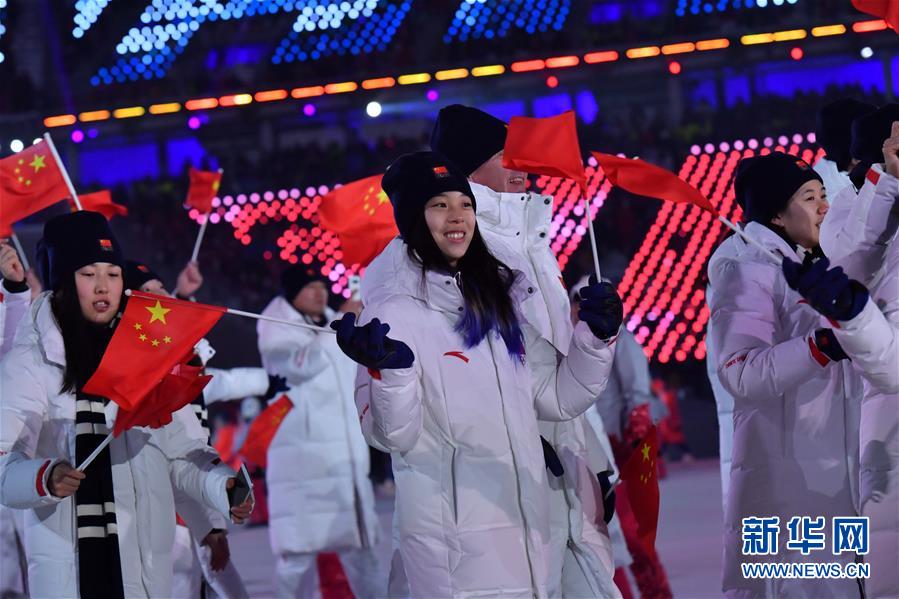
(477, 19)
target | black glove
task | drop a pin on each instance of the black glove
(829, 346)
(369, 344)
(551, 458)
(828, 290)
(276, 384)
(601, 309)
(608, 496)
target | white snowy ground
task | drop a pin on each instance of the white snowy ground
(689, 537)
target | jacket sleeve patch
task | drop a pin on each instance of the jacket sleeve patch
(39, 483)
(817, 354)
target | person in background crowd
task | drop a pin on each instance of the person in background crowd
(796, 396)
(871, 337)
(833, 131)
(455, 394)
(116, 541)
(515, 225)
(201, 552)
(320, 496)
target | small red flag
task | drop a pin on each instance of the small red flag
(100, 201)
(177, 389)
(263, 429)
(362, 216)
(29, 182)
(888, 10)
(641, 480)
(156, 333)
(545, 146)
(204, 186)
(642, 178)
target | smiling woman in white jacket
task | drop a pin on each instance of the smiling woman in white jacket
(451, 395)
(796, 397)
(108, 530)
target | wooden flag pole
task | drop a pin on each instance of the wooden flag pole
(22, 257)
(62, 169)
(87, 461)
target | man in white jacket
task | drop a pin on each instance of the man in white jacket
(515, 225)
(320, 496)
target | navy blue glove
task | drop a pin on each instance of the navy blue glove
(828, 290)
(608, 496)
(276, 384)
(827, 342)
(601, 308)
(551, 458)
(369, 344)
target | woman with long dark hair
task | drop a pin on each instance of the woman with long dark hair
(454, 395)
(108, 530)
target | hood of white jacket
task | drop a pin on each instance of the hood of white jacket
(44, 331)
(518, 217)
(834, 179)
(735, 247)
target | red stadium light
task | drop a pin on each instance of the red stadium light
(796, 53)
(674, 67)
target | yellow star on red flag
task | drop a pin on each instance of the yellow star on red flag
(157, 312)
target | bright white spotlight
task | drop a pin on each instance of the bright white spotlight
(16, 145)
(373, 109)
(867, 52)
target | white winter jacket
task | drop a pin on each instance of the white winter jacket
(320, 497)
(13, 307)
(37, 429)
(834, 179)
(795, 414)
(515, 227)
(461, 424)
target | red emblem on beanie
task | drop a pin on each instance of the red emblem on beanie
(440, 172)
(105, 245)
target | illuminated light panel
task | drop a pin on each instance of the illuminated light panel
(235, 100)
(597, 57)
(379, 83)
(128, 113)
(307, 92)
(93, 115)
(826, 30)
(792, 34)
(477, 19)
(693, 8)
(270, 95)
(561, 62)
(201, 104)
(681, 48)
(413, 79)
(716, 44)
(866, 26)
(451, 74)
(341, 88)
(523, 66)
(60, 120)
(645, 52)
(166, 108)
(488, 70)
(86, 14)
(757, 38)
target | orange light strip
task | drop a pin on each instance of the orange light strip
(790, 35)
(597, 57)
(716, 44)
(271, 95)
(866, 26)
(59, 121)
(561, 62)
(413, 78)
(341, 88)
(380, 83)
(451, 74)
(130, 112)
(523, 66)
(165, 108)
(307, 92)
(93, 115)
(826, 30)
(201, 104)
(681, 48)
(488, 70)
(235, 100)
(645, 52)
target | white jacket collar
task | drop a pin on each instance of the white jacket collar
(770, 240)
(46, 331)
(509, 213)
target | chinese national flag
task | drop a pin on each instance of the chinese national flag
(204, 186)
(100, 201)
(29, 181)
(545, 146)
(641, 480)
(156, 333)
(362, 216)
(263, 429)
(177, 389)
(888, 10)
(642, 178)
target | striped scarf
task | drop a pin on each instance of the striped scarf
(99, 565)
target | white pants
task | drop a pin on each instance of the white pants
(191, 566)
(298, 574)
(12, 555)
